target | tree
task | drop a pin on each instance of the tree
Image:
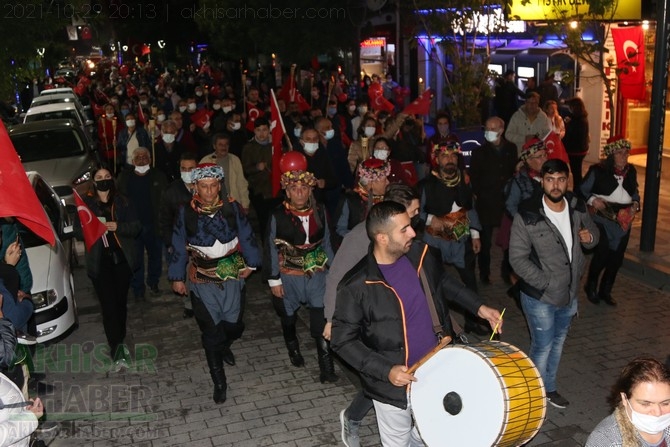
(464, 33)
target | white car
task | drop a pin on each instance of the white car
(62, 110)
(53, 284)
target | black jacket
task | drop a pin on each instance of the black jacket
(173, 197)
(368, 326)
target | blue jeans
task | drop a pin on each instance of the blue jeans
(549, 327)
(17, 312)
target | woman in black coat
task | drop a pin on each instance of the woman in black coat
(576, 139)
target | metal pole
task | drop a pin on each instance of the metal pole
(652, 179)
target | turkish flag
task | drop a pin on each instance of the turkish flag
(629, 46)
(555, 147)
(420, 106)
(86, 33)
(289, 93)
(140, 114)
(253, 112)
(17, 197)
(377, 100)
(201, 117)
(278, 132)
(91, 226)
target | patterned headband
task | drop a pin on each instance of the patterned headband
(373, 169)
(614, 146)
(207, 170)
(293, 177)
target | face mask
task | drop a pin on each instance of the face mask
(198, 93)
(115, 101)
(648, 423)
(187, 177)
(369, 131)
(119, 92)
(310, 148)
(491, 136)
(227, 109)
(415, 221)
(142, 169)
(144, 103)
(332, 111)
(216, 106)
(236, 126)
(182, 109)
(110, 114)
(160, 118)
(351, 109)
(130, 123)
(168, 138)
(206, 125)
(191, 106)
(330, 133)
(381, 154)
(104, 185)
(362, 110)
(443, 128)
(297, 131)
(125, 112)
(169, 93)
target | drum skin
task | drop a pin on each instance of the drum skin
(482, 394)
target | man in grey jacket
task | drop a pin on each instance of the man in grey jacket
(545, 251)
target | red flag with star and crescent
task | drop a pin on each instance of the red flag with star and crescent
(91, 226)
(420, 106)
(253, 113)
(291, 94)
(377, 100)
(278, 131)
(629, 47)
(17, 196)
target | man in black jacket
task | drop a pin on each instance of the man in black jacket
(382, 322)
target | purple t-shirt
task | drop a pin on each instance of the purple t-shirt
(402, 276)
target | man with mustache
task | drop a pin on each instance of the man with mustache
(452, 223)
(545, 250)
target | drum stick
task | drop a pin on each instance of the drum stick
(495, 329)
(445, 341)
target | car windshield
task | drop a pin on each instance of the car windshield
(57, 143)
(55, 115)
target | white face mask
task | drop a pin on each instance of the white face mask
(187, 177)
(198, 93)
(369, 131)
(110, 114)
(160, 118)
(351, 109)
(311, 148)
(144, 103)
(191, 106)
(491, 136)
(227, 109)
(330, 133)
(236, 126)
(648, 423)
(297, 131)
(362, 110)
(182, 109)
(381, 154)
(216, 106)
(142, 169)
(130, 123)
(168, 138)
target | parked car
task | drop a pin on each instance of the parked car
(53, 284)
(60, 111)
(59, 149)
(63, 98)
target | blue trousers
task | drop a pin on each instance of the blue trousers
(151, 241)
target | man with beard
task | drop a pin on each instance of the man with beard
(452, 223)
(548, 234)
(383, 322)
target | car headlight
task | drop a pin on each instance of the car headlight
(83, 178)
(44, 298)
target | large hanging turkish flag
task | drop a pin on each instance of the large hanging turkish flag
(91, 226)
(629, 46)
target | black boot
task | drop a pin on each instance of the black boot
(605, 292)
(292, 344)
(326, 365)
(591, 289)
(227, 354)
(215, 363)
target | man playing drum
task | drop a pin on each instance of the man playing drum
(385, 320)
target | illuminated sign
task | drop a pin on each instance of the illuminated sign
(556, 9)
(376, 42)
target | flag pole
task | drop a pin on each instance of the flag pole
(281, 121)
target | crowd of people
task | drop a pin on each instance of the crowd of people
(368, 200)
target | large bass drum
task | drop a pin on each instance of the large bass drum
(483, 394)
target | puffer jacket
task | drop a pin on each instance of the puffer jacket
(539, 255)
(369, 329)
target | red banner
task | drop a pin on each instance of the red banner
(91, 226)
(629, 46)
(289, 93)
(420, 106)
(278, 132)
(555, 147)
(17, 197)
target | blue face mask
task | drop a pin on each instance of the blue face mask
(125, 112)
(332, 111)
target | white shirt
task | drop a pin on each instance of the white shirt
(561, 220)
